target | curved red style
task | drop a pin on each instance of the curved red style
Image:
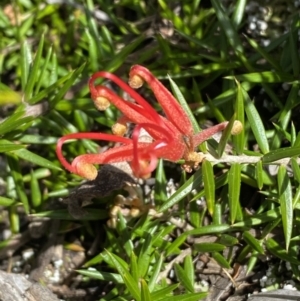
(172, 136)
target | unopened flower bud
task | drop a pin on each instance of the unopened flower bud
(135, 81)
(237, 128)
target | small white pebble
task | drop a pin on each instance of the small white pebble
(204, 283)
(172, 273)
(265, 42)
(251, 6)
(58, 263)
(55, 277)
(288, 266)
(263, 281)
(286, 86)
(19, 263)
(252, 19)
(6, 233)
(16, 270)
(252, 26)
(27, 254)
(262, 25)
(263, 10)
(270, 281)
(289, 287)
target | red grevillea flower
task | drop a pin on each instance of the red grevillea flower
(172, 136)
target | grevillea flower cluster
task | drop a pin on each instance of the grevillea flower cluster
(171, 136)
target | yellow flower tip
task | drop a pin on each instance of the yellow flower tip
(114, 211)
(194, 157)
(237, 128)
(142, 175)
(135, 212)
(141, 171)
(135, 81)
(86, 170)
(192, 161)
(101, 103)
(119, 129)
(112, 223)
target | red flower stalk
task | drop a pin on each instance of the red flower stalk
(173, 137)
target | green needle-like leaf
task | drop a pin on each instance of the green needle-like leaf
(279, 252)
(145, 293)
(122, 229)
(134, 267)
(119, 58)
(296, 169)
(221, 260)
(33, 74)
(209, 247)
(187, 297)
(269, 58)
(26, 60)
(91, 214)
(286, 203)
(281, 153)
(130, 283)
(36, 159)
(155, 273)
(259, 219)
(263, 77)
(43, 71)
(189, 269)
(13, 122)
(36, 195)
(162, 294)
(227, 240)
(239, 140)
(160, 192)
(253, 242)
(183, 278)
(177, 93)
(115, 278)
(226, 25)
(209, 185)
(14, 219)
(238, 13)
(175, 244)
(63, 90)
(6, 202)
(234, 187)
(225, 136)
(256, 124)
(259, 174)
(131, 286)
(144, 256)
(252, 261)
(7, 147)
(211, 229)
(294, 48)
(193, 182)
